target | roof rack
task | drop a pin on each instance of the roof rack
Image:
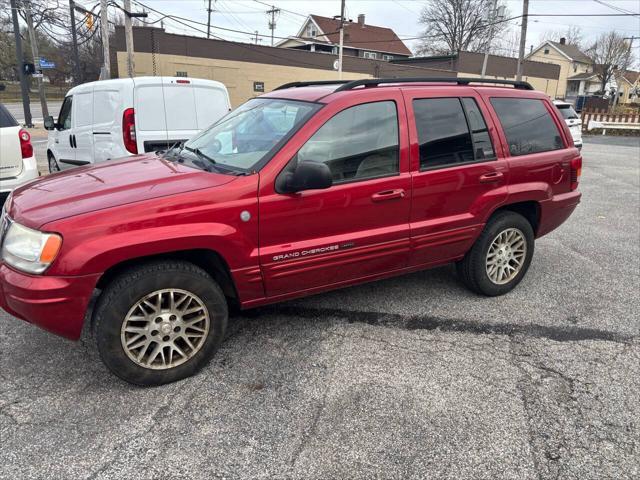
(311, 83)
(370, 82)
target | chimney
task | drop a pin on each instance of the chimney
(563, 41)
(361, 19)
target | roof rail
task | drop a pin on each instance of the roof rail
(370, 82)
(311, 83)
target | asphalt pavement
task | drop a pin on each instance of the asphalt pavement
(412, 377)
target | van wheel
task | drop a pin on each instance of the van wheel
(500, 258)
(160, 322)
(53, 165)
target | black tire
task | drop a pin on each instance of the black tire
(472, 270)
(130, 287)
(53, 164)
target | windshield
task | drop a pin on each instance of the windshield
(567, 112)
(250, 133)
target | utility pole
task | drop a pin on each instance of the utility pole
(523, 38)
(491, 17)
(255, 38)
(36, 58)
(104, 27)
(128, 35)
(23, 79)
(272, 24)
(74, 38)
(209, 10)
(342, 5)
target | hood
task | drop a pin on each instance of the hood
(110, 184)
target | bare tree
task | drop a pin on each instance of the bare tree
(572, 34)
(452, 26)
(611, 53)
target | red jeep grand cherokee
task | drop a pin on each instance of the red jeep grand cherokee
(312, 187)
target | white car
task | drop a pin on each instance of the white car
(17, 161)
(109, 119)
(573, 121)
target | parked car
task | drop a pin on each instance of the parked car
(302, 190)
(17, 162)
(573, 120)
(109, 119)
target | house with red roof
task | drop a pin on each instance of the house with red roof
(322, 34)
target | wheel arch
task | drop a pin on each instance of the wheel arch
(209, 260)
(529, 209)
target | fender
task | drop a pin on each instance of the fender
(189, 221)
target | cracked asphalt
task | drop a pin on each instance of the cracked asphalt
(412, 377)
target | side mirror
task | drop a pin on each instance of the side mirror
(49, 124)
(308, 175)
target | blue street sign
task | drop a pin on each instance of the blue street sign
(46, 64)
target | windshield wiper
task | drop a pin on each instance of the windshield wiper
(201, 155)
(170, 151)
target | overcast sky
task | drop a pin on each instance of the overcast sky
(400, 15)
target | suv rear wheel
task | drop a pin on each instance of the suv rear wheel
(500, 258)
(160, 322)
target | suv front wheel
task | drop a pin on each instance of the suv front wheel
(160, 322)
(501, 256)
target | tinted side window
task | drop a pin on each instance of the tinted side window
(527, 124)
(442, 132)
(482, 146)
(6, 119)
(357, 143)
(64, 119)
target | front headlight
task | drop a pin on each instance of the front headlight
(29, 250)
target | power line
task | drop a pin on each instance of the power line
(283, 9)
(618, 9)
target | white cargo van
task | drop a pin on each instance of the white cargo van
(108, 119)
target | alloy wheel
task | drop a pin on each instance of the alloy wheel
(506, 256)
(165, 329)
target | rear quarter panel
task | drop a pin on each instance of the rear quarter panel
(10, 152)
(543, 177)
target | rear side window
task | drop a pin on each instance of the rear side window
(527, 124)
(451, 131)
(482, 147)
(6, 119)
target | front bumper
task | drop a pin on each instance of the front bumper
(56, 304)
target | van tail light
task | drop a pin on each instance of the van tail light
(576, 171)
(129, 130)
(25, 144)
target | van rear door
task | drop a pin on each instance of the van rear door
(150, 115)
(212, 102)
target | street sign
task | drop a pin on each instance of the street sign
(46, 64)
